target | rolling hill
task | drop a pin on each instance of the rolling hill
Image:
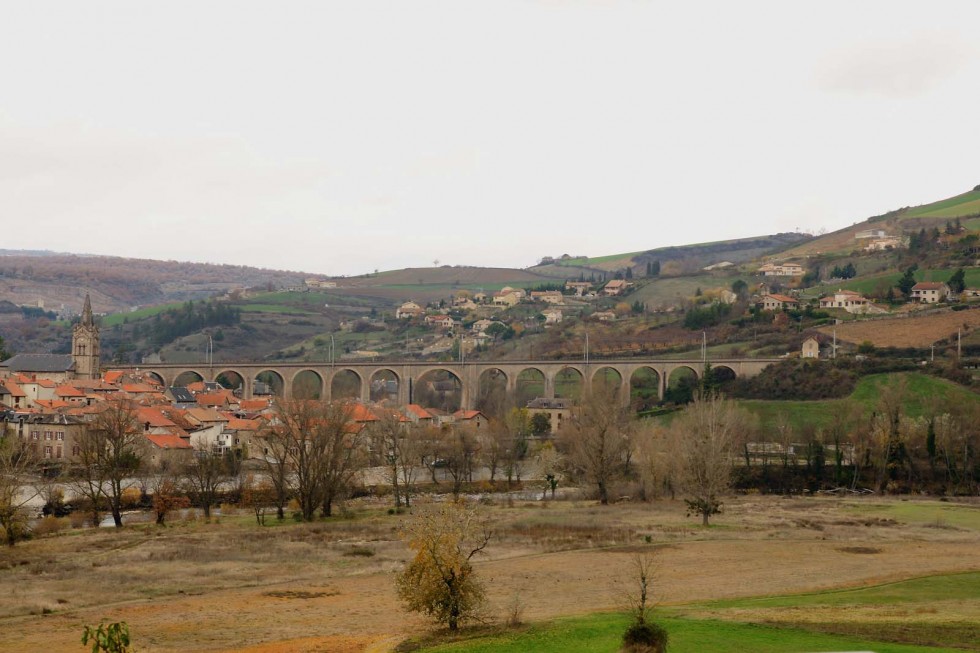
(965, 207)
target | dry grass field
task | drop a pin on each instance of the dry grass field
(913, 331)
(234, 586)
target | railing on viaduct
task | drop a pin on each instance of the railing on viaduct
(321, 379)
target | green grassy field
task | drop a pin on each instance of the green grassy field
(130, 316)
(870, 284)
(779, 623)
(603, 632)
(275, 308)
(959, 205)
(921, 391)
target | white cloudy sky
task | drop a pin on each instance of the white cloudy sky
(340, 137)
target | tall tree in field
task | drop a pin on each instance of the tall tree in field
(598, 439)
(703, 446)
(440, 581)
(401, 453)
(324, 449)
(278, 461)
(205, 473)
(16, 464)
(115, 441)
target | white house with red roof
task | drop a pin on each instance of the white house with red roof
(929, 292)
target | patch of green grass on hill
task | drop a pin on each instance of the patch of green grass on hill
(143, 313)
(275, 308)
(959, 205)
(671, 290)
(921, 390)
(871, 283)
(600, 633)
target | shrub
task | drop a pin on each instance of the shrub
(51, 525)
(643, 637)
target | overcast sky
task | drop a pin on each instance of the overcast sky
(343, 137)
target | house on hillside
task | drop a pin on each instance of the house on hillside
(547, 296)
(408, 310)
(930, 292)
(615, 287)
(440, 321)
(781, 270)
(849, 300)
(811, 348)
(580, 287)
(774, 302)
(870, 233)
(552, 316)
(508, 298)
(886, 243)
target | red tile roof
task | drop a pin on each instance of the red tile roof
(14, 389)
(68, 391)
(418, 411)
(168, 441)
(154, 417)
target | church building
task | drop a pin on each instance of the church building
(82, 363)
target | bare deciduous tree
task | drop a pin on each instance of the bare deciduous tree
(16, 464)
(598, 440)
(277, 461)
(323, 448)
(401, 453)
(113, 443)
(205, 473)
(703, 441)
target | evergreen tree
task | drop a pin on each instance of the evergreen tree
(907, 281)
(629, 273)
(957, 282)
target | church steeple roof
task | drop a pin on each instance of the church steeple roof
(87, 319)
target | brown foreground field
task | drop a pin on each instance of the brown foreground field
(233, 586)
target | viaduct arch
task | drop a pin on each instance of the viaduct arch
(407, 373)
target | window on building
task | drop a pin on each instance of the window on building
(47, 452)
(35, 435)
(59, 435)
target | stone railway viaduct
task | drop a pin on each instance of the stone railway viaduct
(471, 377)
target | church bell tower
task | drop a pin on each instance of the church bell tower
(85, 345)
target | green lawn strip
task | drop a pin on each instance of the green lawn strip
(964, 204)
(923, 589)
(131, 316)
(602, 632)
(275, 308)
(930, 513)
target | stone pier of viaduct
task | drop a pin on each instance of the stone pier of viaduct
(470, 376)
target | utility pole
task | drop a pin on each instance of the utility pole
(833, 352)
(704, 347)
(959, 344)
